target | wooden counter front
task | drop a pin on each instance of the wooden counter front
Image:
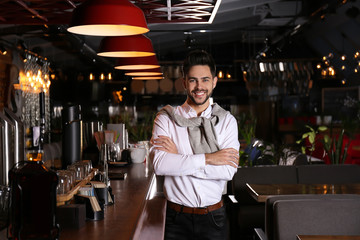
(138, 211)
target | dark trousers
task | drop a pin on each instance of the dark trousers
(181, 226)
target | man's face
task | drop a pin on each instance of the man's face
(199, 84)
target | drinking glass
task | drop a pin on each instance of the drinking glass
(71, 175)
(114, 152)
(64, 183)
(89, 165)
(79, 170)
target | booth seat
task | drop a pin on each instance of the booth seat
(246, 214)
(310, 214)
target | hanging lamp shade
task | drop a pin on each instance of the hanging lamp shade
(108, 18)
(137, 63)
(145, 72)
(126, 46)
(148, 78)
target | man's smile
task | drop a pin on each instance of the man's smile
(199, 93)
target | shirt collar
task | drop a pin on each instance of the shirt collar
(189, 110)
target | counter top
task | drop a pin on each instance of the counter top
(138, 211)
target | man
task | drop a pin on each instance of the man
(195, 146)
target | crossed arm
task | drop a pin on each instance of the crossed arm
(226, 156)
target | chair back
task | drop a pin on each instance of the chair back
(320, 215)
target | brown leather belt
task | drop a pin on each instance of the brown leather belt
(179, 208)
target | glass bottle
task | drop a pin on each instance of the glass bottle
(33, 199)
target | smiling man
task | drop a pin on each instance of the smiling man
(195, 146)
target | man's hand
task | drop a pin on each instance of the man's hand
(165, 144)
(227, 156)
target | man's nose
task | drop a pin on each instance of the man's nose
(197, 85)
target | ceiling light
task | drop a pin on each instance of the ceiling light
(3, 50)
(146, 72)
(108, 18)
(126, 46)
(142, 74)
(148, 78)
(137, 63)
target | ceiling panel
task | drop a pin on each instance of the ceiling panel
(173, 24)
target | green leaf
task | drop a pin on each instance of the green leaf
(326, 139)
(305, 135)
(312, 137)
(311, 129)
(322, 128)
(345, 153)
(298, 141)
(303, 150)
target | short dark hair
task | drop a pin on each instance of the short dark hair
(198, 57)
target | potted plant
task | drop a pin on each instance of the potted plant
(312, 137)
(246, 129)
(334, 149)
(142, 129)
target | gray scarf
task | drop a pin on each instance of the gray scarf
(201, 130)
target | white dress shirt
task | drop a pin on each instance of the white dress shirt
(188, 180)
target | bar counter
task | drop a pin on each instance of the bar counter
(138, 211)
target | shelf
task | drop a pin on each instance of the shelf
(62, 198)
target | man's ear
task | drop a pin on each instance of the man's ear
(183, 82)
(215, 82)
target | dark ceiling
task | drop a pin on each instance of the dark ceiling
(241, 29)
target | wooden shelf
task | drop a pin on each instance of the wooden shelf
(62, 198)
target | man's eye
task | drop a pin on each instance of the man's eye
(191, 80)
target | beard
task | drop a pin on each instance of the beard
(207, 96)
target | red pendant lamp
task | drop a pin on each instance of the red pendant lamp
(145, 72)
(126, 46)
(148, 78)
(108, 18)
(137, 63)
